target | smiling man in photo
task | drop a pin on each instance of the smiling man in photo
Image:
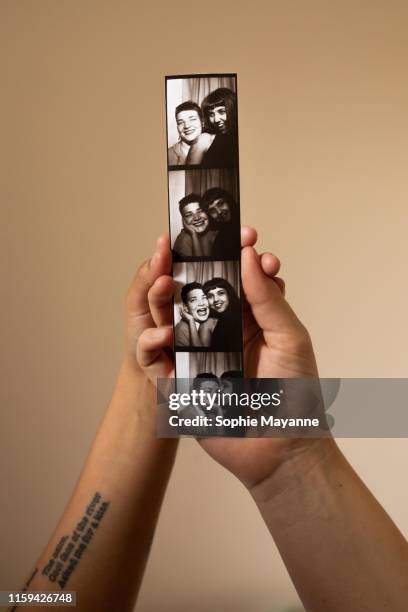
(197, 237)
(194, 312)
(189, 122)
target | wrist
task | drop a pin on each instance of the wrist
(133, 392)
(130, 363)
(299, 463)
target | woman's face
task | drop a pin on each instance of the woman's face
(218, 299)
(219, 211)
(217, 117)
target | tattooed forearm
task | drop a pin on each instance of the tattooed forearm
(70, 548)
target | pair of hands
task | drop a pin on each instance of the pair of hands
(276, 345)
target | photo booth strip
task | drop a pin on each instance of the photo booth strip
(204, 222)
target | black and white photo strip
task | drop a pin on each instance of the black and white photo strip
(202, 121)
(216, 366)
(204, 220)
(207, 307)
(204, 214)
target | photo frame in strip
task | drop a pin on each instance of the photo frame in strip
(204, 223)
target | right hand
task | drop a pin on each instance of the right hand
(190, 229)
(276, 345)
(186, 316)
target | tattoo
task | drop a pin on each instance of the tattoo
(70, 548)
(25, 587)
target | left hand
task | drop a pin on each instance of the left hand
(138, 316)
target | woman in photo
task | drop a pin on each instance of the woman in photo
(219, 111)
(223, 212)
(224, 323)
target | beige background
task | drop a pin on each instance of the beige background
(323, 100)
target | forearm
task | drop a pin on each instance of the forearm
(110, 519)
(198, 250)
(340, 547)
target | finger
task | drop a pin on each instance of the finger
(281, 284)
(137, 305)
(160, 300)
(269, 308)
(161, 260)
(270, 264)
(163, 241)
(249, 236)
(150, 352)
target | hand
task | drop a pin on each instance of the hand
(190, 229)
(138, 317)
(276, 345)
(185, 315)
(153, 347)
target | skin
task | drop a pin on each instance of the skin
(195, 219)
(197, 305)
(219, 211)
(196, 309)
(209, 386)
(189, 126)
(340, 547)
(196, 223)
(226, 385)
(217, 116)
(218, 299)
(129, 467)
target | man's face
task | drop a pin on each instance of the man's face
(197, 305)
(219, 210)
(189, 125)
(217, 116)
(194, 216)
(218, 299)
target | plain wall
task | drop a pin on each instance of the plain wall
(323, 98)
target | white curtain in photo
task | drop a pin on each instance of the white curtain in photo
(214, 363)
(198, 88)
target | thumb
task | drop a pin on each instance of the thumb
(269, 308)
(151, 353)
